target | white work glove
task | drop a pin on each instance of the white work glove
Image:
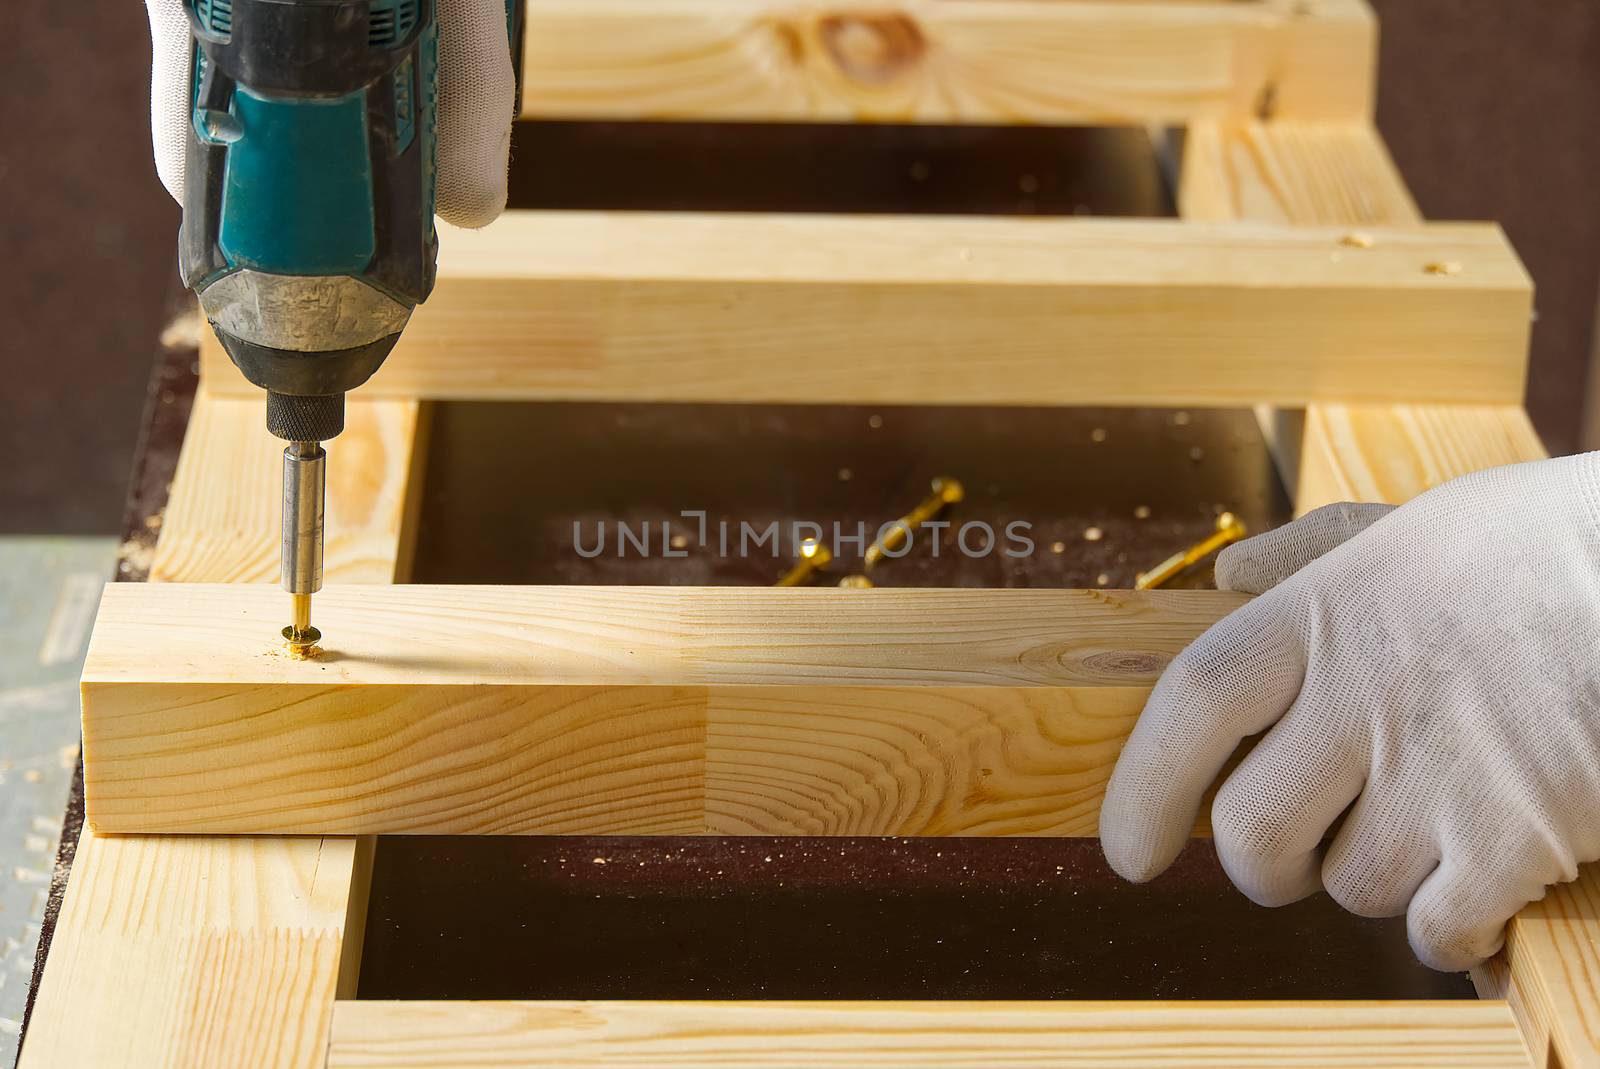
(477, 94)
(1437, 665)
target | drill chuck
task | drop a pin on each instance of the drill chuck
(297, 418)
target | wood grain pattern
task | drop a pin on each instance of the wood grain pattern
(173, 953)
(914, 1035)
(221, 522)
(1550, 972)
(947, 61)
(909, 310)
(1394, 452)
(622, 710)
(1329, 175)
(209, 952)
(1298, 174)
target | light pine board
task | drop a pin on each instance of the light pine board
(221, 521)
(201, 952)
(1311, 175)
(1297, 174)
(944, 61)
(913, 310)
(915, 1035)
(1550, 973)
(1394, 452)
(641, 710)
(192, 953)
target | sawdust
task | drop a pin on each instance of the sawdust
(282, 649)
(136, 555)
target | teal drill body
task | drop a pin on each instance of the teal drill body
(309, 190)
(308, 203)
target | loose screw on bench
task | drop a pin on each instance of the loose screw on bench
(814, 557)
(946, 491)
(1229, 530)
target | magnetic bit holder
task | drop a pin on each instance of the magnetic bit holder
(304, 505)
(1229, 530)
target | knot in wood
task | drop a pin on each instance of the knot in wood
(1132, 665)
(872, 48)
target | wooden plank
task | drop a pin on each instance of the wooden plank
(645, 710)
(221, 521)
(1291, 174)
(1393, 453)
(1331, 175)
(913, 1035)
(903, 310)
(947, 61)
(173, 953)
(1299, 174)
(1550, 972)
(182, 953)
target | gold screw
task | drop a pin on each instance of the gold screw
(946, 491)
(856, 582)
(1229, 530)
(814, 557)
(300, 635)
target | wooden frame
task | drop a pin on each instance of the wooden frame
(203, 950)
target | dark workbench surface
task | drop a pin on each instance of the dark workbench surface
(812, 918)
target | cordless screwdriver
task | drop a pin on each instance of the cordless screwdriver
(308, 229)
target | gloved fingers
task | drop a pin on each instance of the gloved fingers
(1458, 916)
(1270, 817)
(1258, 564)
(1375, 864)
(477, 94)
(1233, 681)
(171, 56)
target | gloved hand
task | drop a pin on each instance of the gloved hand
(477, 92)
(1437, 665)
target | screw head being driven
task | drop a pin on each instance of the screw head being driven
(301, 640)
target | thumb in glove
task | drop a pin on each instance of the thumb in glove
(1258, 564)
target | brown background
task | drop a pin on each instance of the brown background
(1490, 107)
(1492, 110)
